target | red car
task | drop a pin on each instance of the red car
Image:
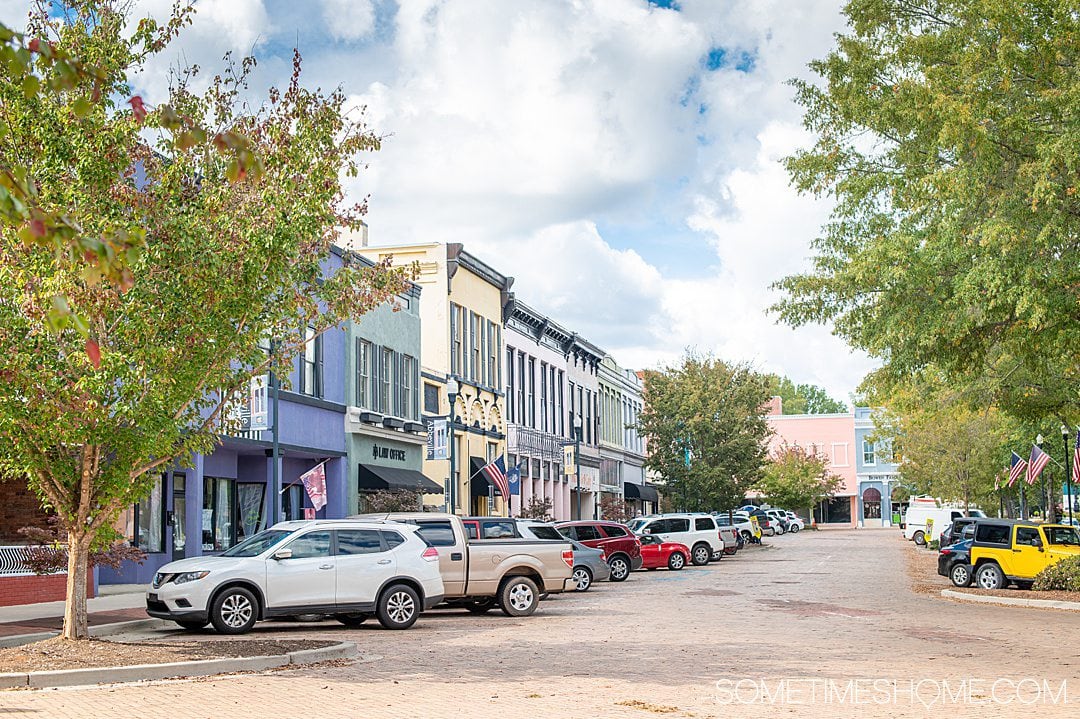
(656, 553)
(622, 547)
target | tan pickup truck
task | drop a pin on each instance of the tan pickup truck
(508, 573)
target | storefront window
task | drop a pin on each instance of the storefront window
(217, 513)
(250, 497)
(143, 524)
(292, 504)
(834, 511)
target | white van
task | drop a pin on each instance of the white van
(915, 520)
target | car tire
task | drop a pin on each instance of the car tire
(398, 607)
(990, 576)
(234, 611)
(960, 574)
(676, 561)
(482, 606)
(794, 529)
(620, 568)
(700, 555)
(583, 577)
(731, 552)
(352, 621)
(780, 530)
(192, 625)
(518, 597)
(919, 538)
(748, 535)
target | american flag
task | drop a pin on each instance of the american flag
(496, 472)
(1019, 466)
(1036, 463)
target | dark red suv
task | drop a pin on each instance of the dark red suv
(621, 547)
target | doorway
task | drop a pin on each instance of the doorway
(179, 533)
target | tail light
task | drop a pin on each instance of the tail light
(568, 557)
(430, 555)
(946, 552)
(603, 556)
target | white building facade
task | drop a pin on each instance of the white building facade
(622, 449)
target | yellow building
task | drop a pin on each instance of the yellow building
(461, 310)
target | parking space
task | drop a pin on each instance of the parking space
(834, 605)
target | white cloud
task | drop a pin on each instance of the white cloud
(349, 20)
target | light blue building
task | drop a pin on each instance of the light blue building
(876, 472)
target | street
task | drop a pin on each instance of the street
(805, 609)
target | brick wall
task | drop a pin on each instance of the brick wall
(19, 507)
(32, 589)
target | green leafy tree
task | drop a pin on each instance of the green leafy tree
(794, 478)
(615, 509)
(230, 259)
(947, 134)
(706, 431)
(803, 398)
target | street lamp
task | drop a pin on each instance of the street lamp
(452, 388)
(577, 460)
(1068, 474)
(1048, 502)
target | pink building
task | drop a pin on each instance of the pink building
(834, 436)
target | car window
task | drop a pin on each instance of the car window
(636, 524)
(968, 531)
(568, 532)
(585, 532)
(650, 539)
(392, 539)
(256, 544)
(541, 531)
(992, 533)
(613, 530)
(657, 526)
(703, 523)
(312, 544)
(358, 541)
(471, 530)
(1062, 535)
(437, 534)
(499, 530)
(678, 525)
(1027, 535)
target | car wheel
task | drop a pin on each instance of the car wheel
(794, 529)
(960, 575)
(747, 535)
(234, 611)
(518, 597)
(620, 568)
(700, 555)
(480, 607)
(398, 607)
(780, 530)
(676, 561)
(352, 620)
(731, 551)
(919, 538)
(990, 576)
(193, 625)
(583, 577)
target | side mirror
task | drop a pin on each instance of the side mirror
(1037, 543)
(282, 554)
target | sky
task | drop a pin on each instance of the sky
(621, 159)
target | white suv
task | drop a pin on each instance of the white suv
(344, 568)
(697, 531)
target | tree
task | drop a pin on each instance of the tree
(803, 398)
(946, 131)
(706, 431)
(615, 509)
(393, 500)
(231, 259)
(947, 447)
(794, 477)
(539, 508)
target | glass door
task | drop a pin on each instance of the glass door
(179, 535)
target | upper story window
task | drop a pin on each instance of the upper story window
(311, 364)
(408, 388)
(868, 454)
(474, 347)
(543, 396)
(510, 384)
(386, 364)
(431, 398)
(530, 402)
(364, 394)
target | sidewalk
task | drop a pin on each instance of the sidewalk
(122, 603)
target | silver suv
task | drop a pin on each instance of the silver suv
(342, 568)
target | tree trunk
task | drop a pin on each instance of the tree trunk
(75, 620)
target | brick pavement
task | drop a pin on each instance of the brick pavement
(32, 626)
(827, 606)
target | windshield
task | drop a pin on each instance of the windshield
(1062, 535)
(636, 524)
(256, 545)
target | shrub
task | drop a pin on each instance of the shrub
(46, 550)
(392, 500)
(539, 508)
(1060, 576)
(933, 544)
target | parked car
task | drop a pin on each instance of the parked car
(697, 531)
(346, 569)
(795, 522)
(919, 513)
(622, 547)
(781, 517)
(954, 562)
(509, 573)
(748, 529)
(767, 524)
(952, 533)
(1014, 551)
(590, 564)
(656, 553)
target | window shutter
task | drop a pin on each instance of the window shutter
(319, 366)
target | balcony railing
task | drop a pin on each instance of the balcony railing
(13, 561)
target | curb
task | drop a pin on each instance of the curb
(990, 599)
(198, 668)
(101, 630)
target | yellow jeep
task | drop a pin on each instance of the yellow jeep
(1008, 551)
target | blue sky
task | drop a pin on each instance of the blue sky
(620, 158)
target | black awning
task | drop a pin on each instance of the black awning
(478, 484)
(640, 491)
(375, 477)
